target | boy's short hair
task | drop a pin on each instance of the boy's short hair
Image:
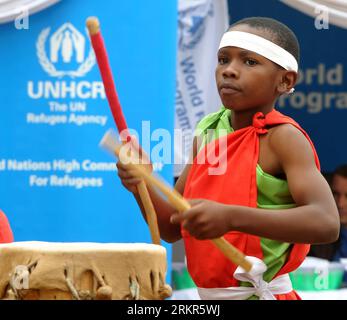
(280, 33)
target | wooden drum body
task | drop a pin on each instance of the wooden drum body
(83, 271)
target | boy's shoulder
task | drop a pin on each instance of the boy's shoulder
(287, 140)
(284, 130)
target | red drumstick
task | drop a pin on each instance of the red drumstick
(106, 73)
(112, 97)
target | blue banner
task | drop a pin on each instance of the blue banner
(56, 184)
(319, 103)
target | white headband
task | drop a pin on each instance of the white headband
(259, 45)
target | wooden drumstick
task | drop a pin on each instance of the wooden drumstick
(93, 26)
(175, 198)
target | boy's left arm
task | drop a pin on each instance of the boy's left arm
(314, 220)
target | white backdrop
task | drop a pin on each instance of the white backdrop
(201, 24)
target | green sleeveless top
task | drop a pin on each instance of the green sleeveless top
(273, 193)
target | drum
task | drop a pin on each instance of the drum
(83, 271)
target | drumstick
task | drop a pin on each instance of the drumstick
(112, 97)
(110, 143)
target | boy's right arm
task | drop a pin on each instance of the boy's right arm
(181, 182)
(168, 231)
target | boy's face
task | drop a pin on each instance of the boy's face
(247, 80)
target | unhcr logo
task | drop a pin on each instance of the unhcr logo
(67, 52)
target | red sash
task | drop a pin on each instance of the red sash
(206, 264)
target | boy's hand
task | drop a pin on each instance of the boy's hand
(129, 177)
(205, 220)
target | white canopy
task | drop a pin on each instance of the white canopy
(11, 9)
(336, 9)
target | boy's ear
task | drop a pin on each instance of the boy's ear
(287, 82)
